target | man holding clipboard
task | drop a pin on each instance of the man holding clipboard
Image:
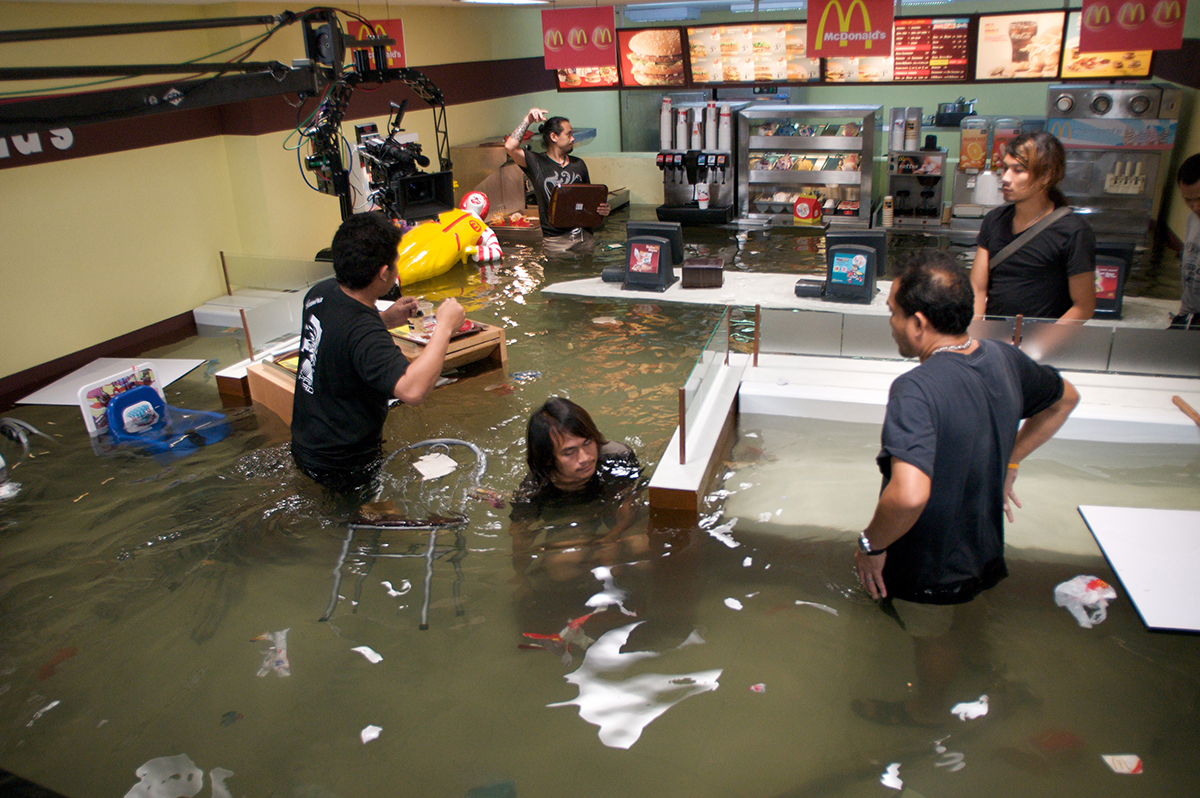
(550, 171)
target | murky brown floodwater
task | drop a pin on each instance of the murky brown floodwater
(131, 593)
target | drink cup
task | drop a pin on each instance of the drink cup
(1020, 33)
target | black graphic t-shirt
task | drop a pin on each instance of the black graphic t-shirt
(545, 174)
(348, 368)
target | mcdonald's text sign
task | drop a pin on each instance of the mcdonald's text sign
(1118, 25)
(392, 29)
(579, 37)
(845, 28)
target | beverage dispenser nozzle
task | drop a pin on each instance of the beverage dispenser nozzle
(691, 165)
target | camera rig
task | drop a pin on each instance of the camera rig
(322, 73)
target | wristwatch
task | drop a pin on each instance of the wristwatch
(864, 545)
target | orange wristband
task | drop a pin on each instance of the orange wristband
(1013, 466)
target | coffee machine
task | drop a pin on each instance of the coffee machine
(916, 183)
(697, 162)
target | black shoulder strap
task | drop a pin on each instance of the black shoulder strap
(1029, 233)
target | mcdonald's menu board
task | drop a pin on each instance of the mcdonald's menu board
(931, 49)
(1017, 46)
(650, 57)
(587, 78)
(858, 70)
(772, 53)
(1129, 64)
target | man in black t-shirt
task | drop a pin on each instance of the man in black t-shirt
(952, 440)
(1053, 275)
(350, 367)
(546, 172)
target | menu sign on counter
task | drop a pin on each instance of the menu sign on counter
(1019, 46)
(931, 49)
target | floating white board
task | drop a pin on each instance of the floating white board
(1152, 552)
(65, 390)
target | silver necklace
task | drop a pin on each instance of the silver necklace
(954, 347)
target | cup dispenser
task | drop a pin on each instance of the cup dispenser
(697, 162)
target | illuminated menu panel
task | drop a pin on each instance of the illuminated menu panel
(1132, 64)
(772, 53)
(930, 49)
(1027, 45)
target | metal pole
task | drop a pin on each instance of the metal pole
(84, 31)
(757, 327)
(682, 428)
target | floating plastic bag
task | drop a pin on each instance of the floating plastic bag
(275, 658)
(1082, 592)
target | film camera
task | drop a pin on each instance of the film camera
(397, 184)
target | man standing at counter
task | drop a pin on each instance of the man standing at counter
(1188, 317)
(546, 172)
(952, 441)
(1052, 273)
(350, 367)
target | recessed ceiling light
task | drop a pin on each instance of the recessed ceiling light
(507, 2)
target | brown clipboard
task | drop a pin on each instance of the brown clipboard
(574, 205)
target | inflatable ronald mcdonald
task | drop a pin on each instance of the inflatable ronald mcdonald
(432, 247)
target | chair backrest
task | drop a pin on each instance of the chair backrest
(135, 412)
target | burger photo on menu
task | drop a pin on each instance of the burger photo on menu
(656, 57)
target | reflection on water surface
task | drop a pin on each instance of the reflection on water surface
(132, 594)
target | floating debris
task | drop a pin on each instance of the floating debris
(372, 656)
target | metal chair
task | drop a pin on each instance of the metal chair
(381, 518)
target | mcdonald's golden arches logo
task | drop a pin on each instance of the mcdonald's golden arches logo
(1097, 18)
(577, 38)
(1167, 13)
(602, 36)
(1131, 15)
(844, 36)
(1060, 129)
(554, 40)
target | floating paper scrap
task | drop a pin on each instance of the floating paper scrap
(218, 776)
(175, 776)
(721, 533)
(369, 653)
(43, 711)
(829, 610)
(746, 563)
(622, 709)
(733, 604)
(437, 464)
(370, 733)
(891, 777)
(1129, 764)
(758, 688)
(971, 710)
(405, 586)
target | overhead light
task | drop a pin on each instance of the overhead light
(507, 2)
(664, 13)
(773, 5)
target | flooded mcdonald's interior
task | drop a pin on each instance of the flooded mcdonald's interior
(204, 619)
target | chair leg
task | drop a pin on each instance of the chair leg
(337, 576)
(429, 552)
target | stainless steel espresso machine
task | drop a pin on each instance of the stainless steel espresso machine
(698, 163)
